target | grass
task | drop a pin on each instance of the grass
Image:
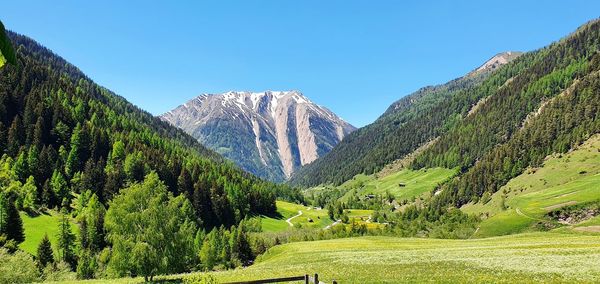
(566, 179)
(286, 210)
(37, 226)
(319, 217)
(539, 257)
(524, 258)
(415, 183)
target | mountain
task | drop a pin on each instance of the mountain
(409, 123)
(551, 105)
(514, 151)
(63, 135)
(270, 134)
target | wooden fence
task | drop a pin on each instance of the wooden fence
(306, 278)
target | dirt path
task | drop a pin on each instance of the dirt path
(474, 233)
(527, 216)
(568, 203)
(334, 223)
(594, 229)
(289, 221)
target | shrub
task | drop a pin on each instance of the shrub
(17, 268)
(199, 279)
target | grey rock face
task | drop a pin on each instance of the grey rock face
(270, 134)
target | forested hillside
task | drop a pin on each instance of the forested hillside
(70, 134)
(408, 124)
(549, 107)
(544, 102)
(72, 146)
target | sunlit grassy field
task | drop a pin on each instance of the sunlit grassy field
(567, 179)
(286, 210)
(524, 258)
(36, 227)
(319, 217)
(539, 257)
(403, 184)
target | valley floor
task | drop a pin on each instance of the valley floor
(539, 257)
(524, 258)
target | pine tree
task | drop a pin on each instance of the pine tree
(29, 193)
(12, 226)
(83, 235)
(15, 136)
(48, 196)
(20, 167)
(73, 163)
(184, 183)
(38, 133)
(59, 186)
(45, 255)
(66, 241)
(242, 246)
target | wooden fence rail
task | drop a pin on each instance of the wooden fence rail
(306, 278)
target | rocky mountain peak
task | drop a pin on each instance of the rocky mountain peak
(270, 133)
(497, 61)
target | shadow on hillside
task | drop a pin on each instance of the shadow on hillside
(36, 213)
(167, 281)
(275, 215)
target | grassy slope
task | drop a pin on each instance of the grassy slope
(525, 258)
(288, 210)
(36, 227)
(320, 217)
(531, 195)
(417, 183)
(540, 257)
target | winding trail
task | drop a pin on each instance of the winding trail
(527, 216)
(331, 225)
(289, 221)
(474, 233)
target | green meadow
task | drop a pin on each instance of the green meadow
(36, 226)
(538, 257)
(403, 184)
(311, 217)
(567, 179)
(524, 258)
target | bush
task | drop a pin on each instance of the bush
(61, 271)
(17, 268)
(199, 279)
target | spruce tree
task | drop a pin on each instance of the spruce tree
(11, 225)
(242, 247)
(66, 241)
(45, 255)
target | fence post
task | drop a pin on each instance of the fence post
(316, 278)
(306, 279)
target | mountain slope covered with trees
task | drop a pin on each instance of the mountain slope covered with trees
(544, 102)
(549, 107)
(408, 124)
(72, 146)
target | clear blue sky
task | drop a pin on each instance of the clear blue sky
(354, 57)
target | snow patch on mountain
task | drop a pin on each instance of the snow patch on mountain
(271, 131)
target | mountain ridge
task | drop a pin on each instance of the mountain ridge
(407, 124)
(269, 133)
